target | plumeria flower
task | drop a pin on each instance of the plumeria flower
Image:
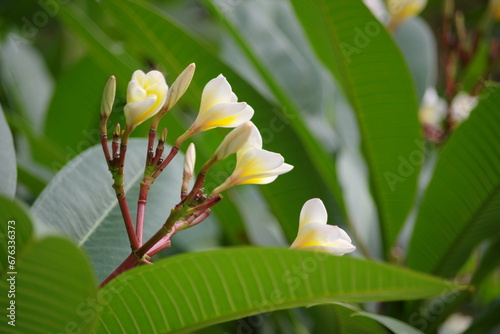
(254, 165)
(316, 235)
(432, 115)
(146, 94)
(461, 106)
(218, 108)
(402, 10)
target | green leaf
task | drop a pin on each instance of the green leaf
(52, 288)
(50, 283)
(163, 41)
(419, 47)
(337, 318)
(191, 291)
(15, 218)
(462, 203)
(80, 203)
(276, 57)
(395, 325)
(366, 62)
(8, 181)
(74, 109)
(105, 51)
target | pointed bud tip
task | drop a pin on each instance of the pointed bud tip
(108, 97)
(117, 129)
(163, 136)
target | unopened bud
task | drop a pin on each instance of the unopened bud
(163, 136)
(189, 161)
(234, 141)
(108, 97)
(117, 130)
(180, 86)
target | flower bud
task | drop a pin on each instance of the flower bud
(234, 141)
(108, 97)
(189, 160)
(146, 94)
(180, 86)
(163, 136)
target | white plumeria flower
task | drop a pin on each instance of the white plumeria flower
(402, 10)
(219, 107)
(146, 94)
(433, 109)
(254, 165)
(461, 106)
(316, 235)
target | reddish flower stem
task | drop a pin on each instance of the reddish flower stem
(105, 148)
(143, 194)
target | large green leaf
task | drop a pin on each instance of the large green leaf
(74, 109)
(157, 36)
(49, 287)
(195, 290)
(462, 203)
(8, 181)
(14, 218)
(80, 203)
(339, 319)
(366, 62)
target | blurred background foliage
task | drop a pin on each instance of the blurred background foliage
(55, 57)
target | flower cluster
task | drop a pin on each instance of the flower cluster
(436, 117)
(148, 96)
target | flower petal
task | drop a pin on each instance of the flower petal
(313, 211)
(325, 238)
(153, 78)
(225, 115)
(216, 91)
(139, 76)
(135, 92)
(253, 141)
(137, 112)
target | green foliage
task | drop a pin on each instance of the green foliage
(50, 282)
(8, 158)
(354, 51)
(191, 291)
(461, 205)
(334, 92)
